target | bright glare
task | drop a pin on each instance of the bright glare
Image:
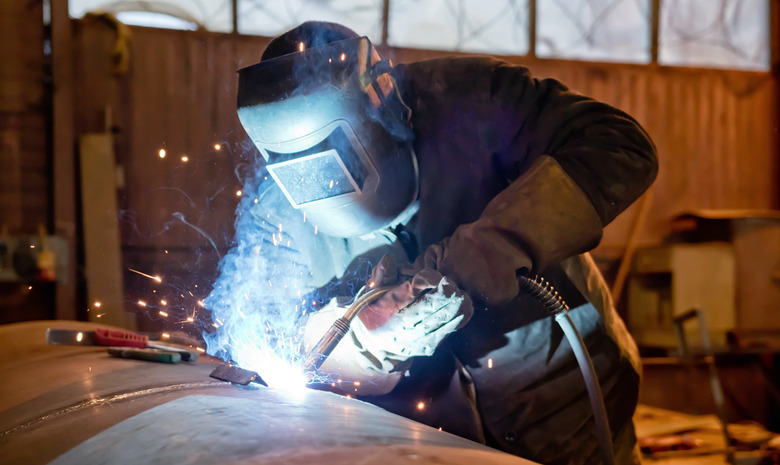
(278, 373)
(152, 19)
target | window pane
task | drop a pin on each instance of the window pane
(718, 33)
(146, 19)
(476, 26)
(598, 30)
(214, 15)
(272, 17)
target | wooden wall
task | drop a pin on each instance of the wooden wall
(24, 176)
(716, 133)
(177, 94)
(25, 173)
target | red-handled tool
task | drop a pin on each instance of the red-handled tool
(117, 337)
(112, 338)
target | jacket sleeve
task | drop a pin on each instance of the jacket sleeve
(574, 165)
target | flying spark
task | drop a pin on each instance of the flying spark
(162, 153)
(156, 278)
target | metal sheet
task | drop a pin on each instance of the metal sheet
(274, 428)
(79, 405)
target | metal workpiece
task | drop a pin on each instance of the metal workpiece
(78, 405)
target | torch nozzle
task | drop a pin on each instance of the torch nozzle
(317, 355)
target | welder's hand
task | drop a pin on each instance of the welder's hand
(415, 316)
(350, 361)
(386, 273)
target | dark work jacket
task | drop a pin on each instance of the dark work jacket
(517, 172)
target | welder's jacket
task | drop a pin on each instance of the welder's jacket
(519, 174)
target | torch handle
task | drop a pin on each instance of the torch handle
(339, 329)
(326, 344)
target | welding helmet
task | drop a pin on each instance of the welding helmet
(334, 132)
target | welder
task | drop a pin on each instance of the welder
(447, 179)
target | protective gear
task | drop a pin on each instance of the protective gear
(413, 318)
(332, 127)
(518, 173)
(539, 220)
(349, 361)
(373, 353)
(413, 284)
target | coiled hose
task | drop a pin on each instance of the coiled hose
(544, 292)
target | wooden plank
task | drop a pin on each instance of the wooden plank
(63, 157)
(11, 213)
(757, 247)
(102, 254)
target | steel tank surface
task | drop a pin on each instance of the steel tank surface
(78, 405)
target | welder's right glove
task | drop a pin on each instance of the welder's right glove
(413, 317)
(408, 321)
(350, 361)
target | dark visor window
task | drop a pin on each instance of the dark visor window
(326, 170)
(314, 177)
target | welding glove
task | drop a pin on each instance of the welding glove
(541, 218)
(409, 320)
(413, 317)
(350, 361)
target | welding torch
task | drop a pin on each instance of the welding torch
(328, 342)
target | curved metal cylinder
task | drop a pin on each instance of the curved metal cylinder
(78, 405)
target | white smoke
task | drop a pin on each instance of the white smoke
(256, 302)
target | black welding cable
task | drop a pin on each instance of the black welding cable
(542, 291)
